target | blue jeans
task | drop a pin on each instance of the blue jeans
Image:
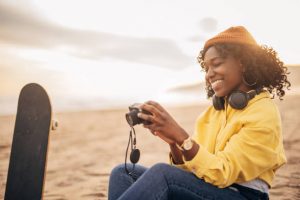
(163, 181)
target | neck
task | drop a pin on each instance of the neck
(244, 88)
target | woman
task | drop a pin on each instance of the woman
(237, 145)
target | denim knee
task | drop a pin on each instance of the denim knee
(119, 169)
(119, 182)
(134, 172)
(162, 169)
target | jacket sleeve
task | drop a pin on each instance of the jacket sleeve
(171, 162)
(246, 155)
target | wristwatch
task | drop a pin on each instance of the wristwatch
(186, 145)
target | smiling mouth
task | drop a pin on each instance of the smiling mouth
(215, 83)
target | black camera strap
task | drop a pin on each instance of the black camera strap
(135, 153)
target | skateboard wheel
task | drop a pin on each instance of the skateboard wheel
(54, 124)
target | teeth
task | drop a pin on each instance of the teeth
(215, 82)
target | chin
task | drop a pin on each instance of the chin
(221, 94)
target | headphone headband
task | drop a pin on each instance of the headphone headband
(237, 99)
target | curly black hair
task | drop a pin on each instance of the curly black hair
(262, 66)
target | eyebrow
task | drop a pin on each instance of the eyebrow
(212, 59)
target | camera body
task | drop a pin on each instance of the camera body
(132, 116)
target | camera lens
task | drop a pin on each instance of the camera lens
(129, 119)
(132, 118)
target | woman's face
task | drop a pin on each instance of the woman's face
(223, 74)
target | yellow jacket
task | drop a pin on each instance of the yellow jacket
(238, 145)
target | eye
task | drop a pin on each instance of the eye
(216, 64)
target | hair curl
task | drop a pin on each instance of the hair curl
(261, 63)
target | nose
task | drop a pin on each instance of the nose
(209, 73)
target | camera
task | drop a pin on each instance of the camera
(132, 116)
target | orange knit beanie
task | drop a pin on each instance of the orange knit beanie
(237, 34)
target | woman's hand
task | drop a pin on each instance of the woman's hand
(163, 125)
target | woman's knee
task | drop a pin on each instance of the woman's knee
(128, 170)
(119, 169)
(161, 168)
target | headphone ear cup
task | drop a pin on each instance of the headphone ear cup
(134, 156)
(218, 102)
(238, 100)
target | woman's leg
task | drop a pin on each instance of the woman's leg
(120, 181)
(163, 181)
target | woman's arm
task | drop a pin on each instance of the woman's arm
(165, 127)
(176, 155)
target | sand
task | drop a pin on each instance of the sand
(87, 145)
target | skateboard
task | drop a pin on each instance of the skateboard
(28, 158)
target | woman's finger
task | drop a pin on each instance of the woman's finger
(154, 114)
(150, 108)
(152, 127)
(156, 105)
(146, 117)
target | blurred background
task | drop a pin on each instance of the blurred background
(97, 57)
(95, 54)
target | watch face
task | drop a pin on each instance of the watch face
(188, 144)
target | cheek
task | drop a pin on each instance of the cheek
(233, 72)
(235, 78)
(223, 69)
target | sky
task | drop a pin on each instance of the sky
(94, 51)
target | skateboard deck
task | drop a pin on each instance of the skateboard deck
(27, 165)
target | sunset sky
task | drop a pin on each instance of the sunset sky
(129, 50)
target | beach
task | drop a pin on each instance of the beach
(88, 144)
